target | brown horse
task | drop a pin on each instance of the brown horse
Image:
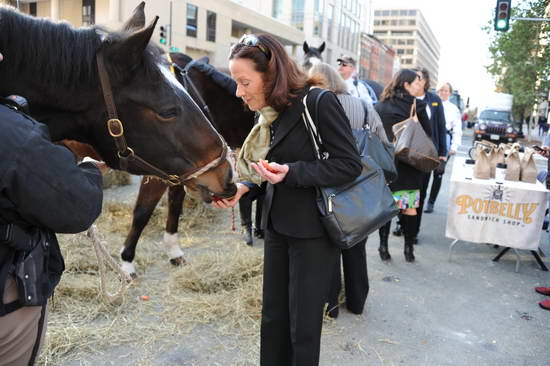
(214, 92)
(56, 67)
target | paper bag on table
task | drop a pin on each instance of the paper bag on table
(528, 167)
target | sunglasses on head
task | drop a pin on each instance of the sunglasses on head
(342, 63)
(253, 41)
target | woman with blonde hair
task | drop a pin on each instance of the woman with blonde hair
(355, 259)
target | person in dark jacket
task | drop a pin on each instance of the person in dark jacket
(42, 192)
(436, 114)
(395, 106)
(299, 259)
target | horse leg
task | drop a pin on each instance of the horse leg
(148, 198)
(176, 195)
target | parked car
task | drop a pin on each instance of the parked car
(495, 126)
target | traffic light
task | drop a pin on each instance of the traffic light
(163, 34)
(502, 15)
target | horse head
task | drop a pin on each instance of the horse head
(312, 55)
(159, 120)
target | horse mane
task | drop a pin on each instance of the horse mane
(55, 53)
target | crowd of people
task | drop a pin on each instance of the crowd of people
(302, 268)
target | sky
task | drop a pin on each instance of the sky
(463, 45)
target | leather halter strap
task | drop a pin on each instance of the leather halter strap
(126, 154)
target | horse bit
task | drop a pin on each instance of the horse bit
(126, 154)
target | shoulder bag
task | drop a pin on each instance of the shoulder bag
(413, 146)
(350, 212)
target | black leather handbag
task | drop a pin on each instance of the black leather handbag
(369, 144)
(350, 212)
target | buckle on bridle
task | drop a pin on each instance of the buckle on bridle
(128, 153)
(114, 125)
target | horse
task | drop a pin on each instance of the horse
(76, 80)
(312, 55)
(214, 92)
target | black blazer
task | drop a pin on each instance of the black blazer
(290, 206)
(438, 123)
(396, 110)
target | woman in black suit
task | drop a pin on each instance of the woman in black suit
(395, 106)
(299, 259)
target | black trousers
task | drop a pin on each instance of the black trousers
(356, 279)
(437, 178)
(245, 210)
(297, 277)
(423, 192)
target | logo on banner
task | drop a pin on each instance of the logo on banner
(497, 207)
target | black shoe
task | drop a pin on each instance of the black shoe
(415, 240)
(398, 230)
(409, 250)
(258, 233)
(248, 234)
(429, 208)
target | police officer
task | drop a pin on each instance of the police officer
(42, 192)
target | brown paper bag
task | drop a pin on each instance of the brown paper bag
(496, 156)
(482, 167)
(528, 167)
(513, 166)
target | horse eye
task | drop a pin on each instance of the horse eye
(168, 115)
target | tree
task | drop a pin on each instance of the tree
(521, 57)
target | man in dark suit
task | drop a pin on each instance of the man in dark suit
(439, 137)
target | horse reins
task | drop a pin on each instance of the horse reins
(126, 154)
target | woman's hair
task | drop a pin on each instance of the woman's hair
(425, 76)
(448, 84)
(331, 78)
(283, 78)
(396, 87)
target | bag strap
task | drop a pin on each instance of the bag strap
(366, 119)
(312, 128)
(413, 109)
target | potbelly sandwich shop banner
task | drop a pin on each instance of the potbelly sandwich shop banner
(485, 212)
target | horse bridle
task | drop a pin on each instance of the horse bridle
(126, 154)
(189, 85)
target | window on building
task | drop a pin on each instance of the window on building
(192, 11)
(394, 12)
(402, 22)
(412, 12)
(277, 10)
(88, 12)
(393, 22)
(385, 13)
(412, 22)
(380, 33)
(318, 11)
(384, 22)
(210, 26)
(32, 9)
(400, 51)
(410, 42)
(298, 14)
(403, 12)
(330, 26)
(409, 52)
(401, 42)
(376, 22)
(401, 33)
(377, 13)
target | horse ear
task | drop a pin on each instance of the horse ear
(306, 47)
(137, 20)
(204, 60)
(321, 47)
(129, 50)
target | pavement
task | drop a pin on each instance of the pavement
(470, 311)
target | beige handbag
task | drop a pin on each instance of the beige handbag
(528, 167)
(496, 156)
(482, 167)
(513, 166)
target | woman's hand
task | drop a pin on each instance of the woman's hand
(272, 172)
(452, 152)
(226, 203)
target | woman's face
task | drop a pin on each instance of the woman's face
(250, 84)
(444, 92)
(416, 88)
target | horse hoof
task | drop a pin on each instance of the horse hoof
(179, 261)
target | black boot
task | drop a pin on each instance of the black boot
(409, 223)
(248, 234)
(384, 233)
(259, 233)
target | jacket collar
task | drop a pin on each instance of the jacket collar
(288, 119)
